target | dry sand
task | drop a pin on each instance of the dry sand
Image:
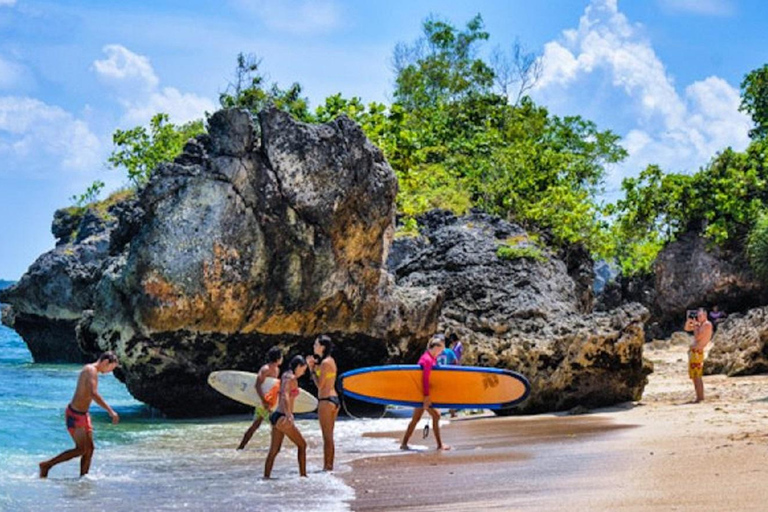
(661, 453)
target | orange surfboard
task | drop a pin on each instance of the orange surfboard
(452, 387)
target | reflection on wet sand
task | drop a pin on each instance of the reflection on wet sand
(495, 462)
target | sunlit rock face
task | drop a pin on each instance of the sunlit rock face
(259, 234)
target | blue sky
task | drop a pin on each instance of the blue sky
(664, 74)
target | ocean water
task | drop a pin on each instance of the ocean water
(148, 462)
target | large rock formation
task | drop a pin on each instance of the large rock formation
(248, 241)
(523, 313)
(740, 345)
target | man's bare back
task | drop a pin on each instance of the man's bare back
(78, 420)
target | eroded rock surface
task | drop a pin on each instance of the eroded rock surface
(524, 314)
(740, 345)
(247, 242)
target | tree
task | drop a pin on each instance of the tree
(754, 100)
(516, 72)
(250, 90)
(139, 150)
(441, 66)
(456, 142)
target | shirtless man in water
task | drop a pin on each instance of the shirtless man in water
(702, 333)
(78, 419)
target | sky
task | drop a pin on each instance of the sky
(663, 74)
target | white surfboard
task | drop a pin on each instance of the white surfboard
(241, 387)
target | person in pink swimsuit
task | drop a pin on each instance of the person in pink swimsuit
(282, 421)
(427, 361)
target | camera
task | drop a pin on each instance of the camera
(692, 314)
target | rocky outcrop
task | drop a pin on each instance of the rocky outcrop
(691, 272)
(246, 242)
(48, 301)
(740, 345)
(523, 313)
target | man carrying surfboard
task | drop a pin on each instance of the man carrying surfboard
(427, 361)
(268, 400)
(77, 417)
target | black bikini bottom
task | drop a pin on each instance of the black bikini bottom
(275, 417)
(333, 399)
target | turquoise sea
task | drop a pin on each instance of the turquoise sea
(150, 463)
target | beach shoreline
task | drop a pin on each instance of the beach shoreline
(662, 453)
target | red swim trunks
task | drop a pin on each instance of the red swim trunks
(77, 419)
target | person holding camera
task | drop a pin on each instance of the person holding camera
(697, 323)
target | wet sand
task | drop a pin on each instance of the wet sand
(661, 453)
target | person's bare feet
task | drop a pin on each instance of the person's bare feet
(444, 448)
(404, 447)
(44, 468)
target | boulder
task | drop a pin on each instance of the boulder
(524, 313)
(740, 345)
(692, 273)
(249, 242)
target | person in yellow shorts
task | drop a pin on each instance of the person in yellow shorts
(695, 363)
(697, 322)
(268, 399)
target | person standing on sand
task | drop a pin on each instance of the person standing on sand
(449, 356)
(268, 401)
(427, 361)
(322, 368)
(77, 417)
(455, 343)
(702, 334)
(282, 419)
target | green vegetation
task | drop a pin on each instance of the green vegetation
(754, 100)
(461, 133)
(90, 195)
(757, 247)
(515, 252)
(139, 151)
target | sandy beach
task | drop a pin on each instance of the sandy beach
(662, 453)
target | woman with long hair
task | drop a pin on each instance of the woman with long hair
(322, 367)
(282, 419)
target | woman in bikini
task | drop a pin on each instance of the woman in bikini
(322, 367)
(282, 419)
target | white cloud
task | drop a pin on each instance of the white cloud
(125, 69)
(181, 107)
(7, 3)
(679, 131)
(296, 17)
(702, 7)
(42, 137)
(137, 88)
